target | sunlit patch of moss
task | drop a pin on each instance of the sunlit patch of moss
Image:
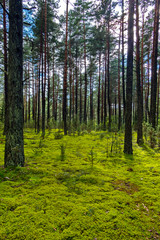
(116, 197)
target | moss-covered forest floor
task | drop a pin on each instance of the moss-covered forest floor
(80, 187)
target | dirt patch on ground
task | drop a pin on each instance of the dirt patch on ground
(128, 187)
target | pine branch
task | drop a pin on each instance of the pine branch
(4, 9)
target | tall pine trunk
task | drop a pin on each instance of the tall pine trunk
(91, 97)
(53, 91)
(29, 94)
(14, 146)
(139, 87)
(99, 89)
(108, 76)
(119, 86)
(142, 62)
(76, 92)
(70, 83)
(5, 67)
(85, 74)
(123, 71)
(45, 71)
(158, 94)
(105, 91)
(154, 66)
(48, 97)
(65, 76)
(147, 85)
(128, 110)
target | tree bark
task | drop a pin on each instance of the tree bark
(142, 62)
(48, 98)
(105, 91)
(5, 68)
(14, 146)
(29, 94)
(65, 76)
(99, 89)
(85, 75)
(147, 87)
(128, 110)
(139, 86)
(123, 71)
(45, 71)
(108, 76)
(119, 86)
(158, 94)
(76, 92)
(154, 66)
(53, 92)
(70, 83)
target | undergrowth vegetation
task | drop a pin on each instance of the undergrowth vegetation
(81, 187)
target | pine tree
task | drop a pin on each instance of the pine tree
(128, 110)
(154, 66)
(14, 147)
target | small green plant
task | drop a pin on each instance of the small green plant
(92, 156)
(112, 144)
(63, 149)
(79, 130)
(158, 136)
(58, 135)
(102, 135)
(107, 149)
(71, 130)
(49, 127)
(152, 135)
(40, 143)
(146, 127)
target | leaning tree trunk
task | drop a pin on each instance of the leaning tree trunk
(14, 147)
(128, 110)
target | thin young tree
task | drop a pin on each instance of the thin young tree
(14, 147)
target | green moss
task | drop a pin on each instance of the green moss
(116, 197)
